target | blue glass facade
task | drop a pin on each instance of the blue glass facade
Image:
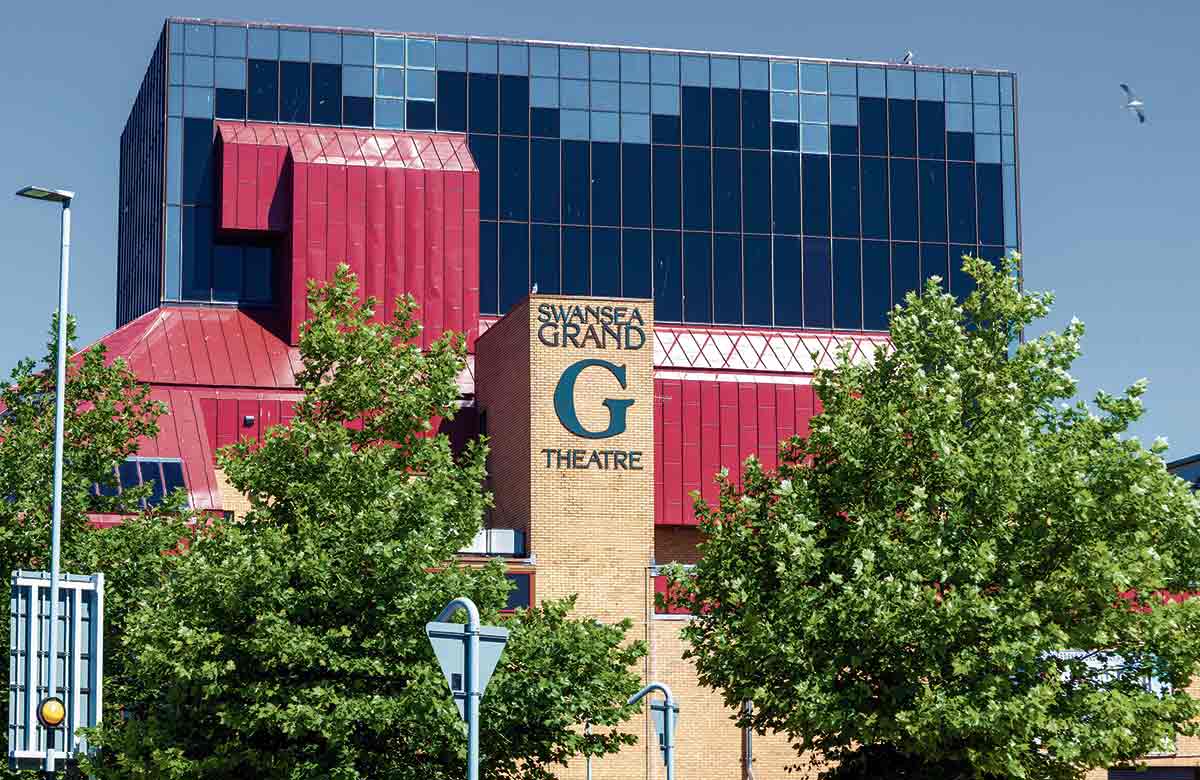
(738, 190)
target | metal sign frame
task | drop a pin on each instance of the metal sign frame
(80, 659)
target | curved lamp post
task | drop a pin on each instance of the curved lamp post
(666, 715)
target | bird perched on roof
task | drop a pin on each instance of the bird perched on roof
(907, 59)
(1134, 104)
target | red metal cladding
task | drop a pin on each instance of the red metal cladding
(702, 426)
(402, 210)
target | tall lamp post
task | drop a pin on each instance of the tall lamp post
(64, 198)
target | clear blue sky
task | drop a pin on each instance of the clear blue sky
(1110, 208)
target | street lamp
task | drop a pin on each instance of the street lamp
(63, 197)
(666, 717)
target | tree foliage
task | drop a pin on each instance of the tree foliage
(903, 585)
(291, 644)
(107, 411)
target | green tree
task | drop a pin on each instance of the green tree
(107, 411)
(291, 643)
(898, 594)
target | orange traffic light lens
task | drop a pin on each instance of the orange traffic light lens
(52, 712)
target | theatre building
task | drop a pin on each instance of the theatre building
(650, 252)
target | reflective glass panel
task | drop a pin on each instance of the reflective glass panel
(814, 77)
(843, 80)
(389, 51)
(606, 65)
(230, 41)
(514, 59)
(357, 50)
(294, 45)
(664, 68)
(423, 52)
(451, 55)
(694, 70)
(635, 66)
(543, 60)
(784, 76)
(326, 47)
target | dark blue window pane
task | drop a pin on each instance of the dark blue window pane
(544, 257)
(844, 195)
(293, 91)
(514, 178)
(606, 262)
(847, 284)
(756, 119)
(606, 184)
(483, 149)
(419, 115)
(785, 136)
(843, 139)
(520, 595)
(360, 112)
(231, 104)
(789, 293)
(697, 189)
(726, 113)
(483, 100)
(960, 146)
(933, 200)
(489, 272)
(756, 270)
(902, 128)
(961, 284)
(877, 284)
(543, 122)
(934, 262)
(727, 278)
(666, 187)
(262, 78)
(227, 272)
(931, 129)
(904, 200)
(576, 254)
(785, 185)
(961, 180)
(544, 201)
(451, 101)
(991, 203)
(664, 129)
(635, 185)
(635, 264)
(816, 195)
(756, 191)
(818, 284)
(197, 253)
(872, 125)
(906, 270)
(514, 263)
(696, 116)
(993, 254)
(127, 474)
(326, 94)
(668, 284)
(514, 105)
(697, 277)
(874, 198)
(727, 190)
(575, 181)
(198, 161)
(173, 476)
(256, 274)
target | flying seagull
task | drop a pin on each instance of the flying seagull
(907, 59)
(1134, 103)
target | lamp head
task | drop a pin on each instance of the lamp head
(45, 193)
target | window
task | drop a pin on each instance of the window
(727, 279)
(785, 185)
(521, 594)
(697, 277)
(788, 282)
(606, 184)
(606, 262)
(163, 475)
(668, 282)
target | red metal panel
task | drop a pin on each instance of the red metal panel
(177, 343)
(197, 458)
(239, 355)
(214, 342)
(356, 226)
(208, 412)
(228, 153)
(227, 422)
(433, 296)
(768, 433)
(660, 410)
(690, 455)
(287, 411)
(454, 251)
(247, 422)
(158, 351)
(471, 256)
(710, 440)
(194, 332)
(318, 225)
(785, 409)
(672, 462)
(336, 227)
(278, 215)
(247, 187)
(729, 430)
(376, 236)
(256, 350)
(394, 268)
(804, 408)
(297, 246)
(414, 238)
(268, 416)
(747, 422)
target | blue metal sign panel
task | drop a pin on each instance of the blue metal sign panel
(80, 659)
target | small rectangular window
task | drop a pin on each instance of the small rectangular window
(724, 72)
(230, 74)
(389, 51)
(606, 65)
(358, 81)
(929, 85)
(514, 59)
(755, 74)
(573, 63)
(871, 83)
(262, 43)
(543, 60)
(693, 70)
(664, 68)
(784, 76)
(230, 41)
(294, 45)
(814, 77)
(422, 53)
(843, 80)
(481, 57)
(198, 71)
(326, 47)
(358, 50)
(199, 39)
(958, 87)
(450, 55)
(635, 66)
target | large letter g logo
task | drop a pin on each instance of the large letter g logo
(564, 400)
